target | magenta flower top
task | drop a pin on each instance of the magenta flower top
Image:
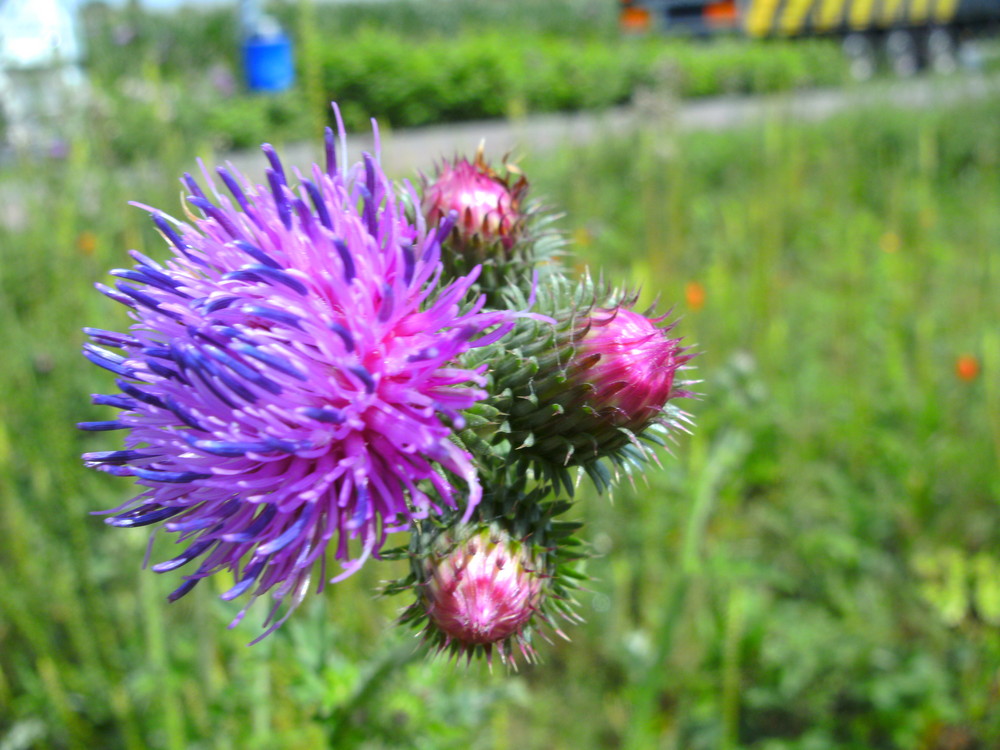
(634, 376)
(487, 208)
(289, 383)
(483, 592)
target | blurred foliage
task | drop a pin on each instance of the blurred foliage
(816, 566)
(407, 82)
(409, 63)
(847, 591)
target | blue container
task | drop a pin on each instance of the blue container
(268, 64)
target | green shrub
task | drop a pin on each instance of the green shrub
(410, 82)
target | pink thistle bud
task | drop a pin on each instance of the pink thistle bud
(482, 592)
(488, 206)
(601, 385)
(492, 585)
(630, 364)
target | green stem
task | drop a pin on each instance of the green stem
(731, 669)
(726, 455)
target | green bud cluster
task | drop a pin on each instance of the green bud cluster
(582, 383)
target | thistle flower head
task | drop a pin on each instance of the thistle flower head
(597, 386)
(483, 588)
(289, 383)
(496, 227)
(491, 584)
(629, 364)
(488, 206)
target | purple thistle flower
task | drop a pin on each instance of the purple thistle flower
(289, 383)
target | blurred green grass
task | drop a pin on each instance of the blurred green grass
(815, 567)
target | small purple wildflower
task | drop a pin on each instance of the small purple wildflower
(289, 383)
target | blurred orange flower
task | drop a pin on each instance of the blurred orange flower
(86, 242)
(966, 367)
(695, 295)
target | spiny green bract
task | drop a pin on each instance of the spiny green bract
(510, 238)
(541, 415)
(525, 525)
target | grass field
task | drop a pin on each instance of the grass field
(816, 567)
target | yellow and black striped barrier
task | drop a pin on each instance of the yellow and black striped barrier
(789, 18)
(765, 18)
